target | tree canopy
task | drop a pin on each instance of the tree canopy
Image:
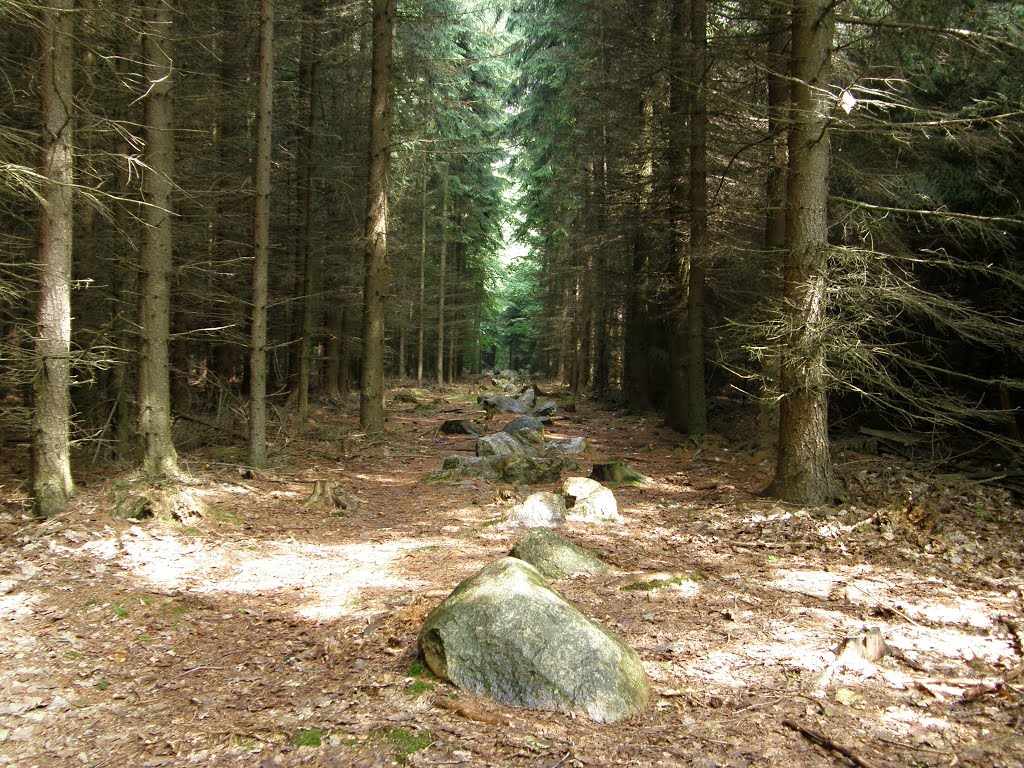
(649, 156)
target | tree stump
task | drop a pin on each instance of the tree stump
(170, 503)
(616, 472)
(460, 427)
(329, 495)
(868, 645)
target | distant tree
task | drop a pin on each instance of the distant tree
(261, 240)
(52, 485)
(696, 398)
(371, 395)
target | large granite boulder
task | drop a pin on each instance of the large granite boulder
(545, 409)
(543, 508)
(528, 429)
(505, 634)
(483, 467)
(501, 404)
(588, 501)
(555, 557)
(515, 470)
(503, 444)
(526, 470)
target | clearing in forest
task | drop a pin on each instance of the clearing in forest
(276, 634)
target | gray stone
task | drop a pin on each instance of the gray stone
(471, 466)
(555, 557)
(529, 429)
(505, 634)
(501, 404)
(503, 444)
(525, 470)
(546, 408)
(574, 446)
(588, 501)
(543, 508)
(515, 470)
(528, 397)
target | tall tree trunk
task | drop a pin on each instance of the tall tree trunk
(564, 328)
(636, 357)
(261, 241)
(442, 269)
(423, 283)
(677, 407)
(371, 395)
(156, 260)
(697, 411)
(309, 86)
(804, 471)
(52, 486)
(778, 92)
(124, 276)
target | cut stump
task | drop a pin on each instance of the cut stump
(327, 494)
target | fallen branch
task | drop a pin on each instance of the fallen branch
(824, 741)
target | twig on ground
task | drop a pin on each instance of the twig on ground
(197, 669)
(1016, 641)
(886, 605)
(824, 741)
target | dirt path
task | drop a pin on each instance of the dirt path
(274, 635)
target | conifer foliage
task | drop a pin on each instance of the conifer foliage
(808, 208)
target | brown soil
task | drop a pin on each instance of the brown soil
(266, 625)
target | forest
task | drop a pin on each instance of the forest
(276, 273)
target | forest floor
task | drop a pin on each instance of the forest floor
(269, 634)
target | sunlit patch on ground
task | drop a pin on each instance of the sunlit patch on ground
(159, 643)
(17, 605)
(815, 583)
(322, 580)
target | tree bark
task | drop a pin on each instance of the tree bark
(442, 269)
(159, 458)
(371, 395)
(696, 404)
(423, 283)
(677, 407)
(778, 92)
(636, 355)
(309, 85)
(261, 241)
(804, 471)
(51, 484)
